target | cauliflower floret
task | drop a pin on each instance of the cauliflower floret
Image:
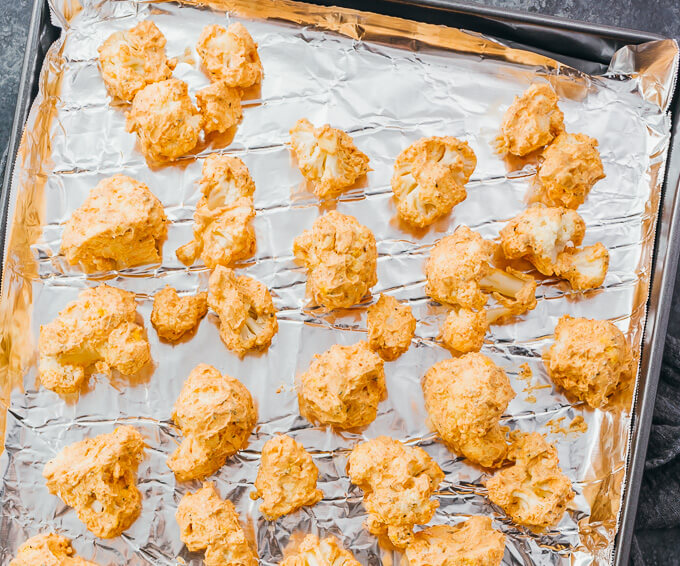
(589, 359)
(584, 268)
(132, 59)
(465, 398)
(341, 260)
(533, 491)
(398, 482)
(173, 316)
(471, 543)
(343, 387)
(97, 478)
(391, 327)
(571, 166)
(220, 106)
(327, 157)
(464, 329)
(245, 309)
(315, 552)
(230, 55)
(97, 328)
(286, 479)
(165, 120)
(209, 523)
(532, 121)
(216, 415)
(429, 178)
(120, 224)
(48, 550)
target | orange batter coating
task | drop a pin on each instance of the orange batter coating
(48, 550)
(216, 415)
(584, 268)
(343, 387)
(464, 329)
(465, 398)
(97, 477)
(173, 316)
(398, 482)
(429, 178)
(391, 327)
(589, 359)
(220, 106)
(286, 479)
(341, 260)
(315, 552)
(212, 524)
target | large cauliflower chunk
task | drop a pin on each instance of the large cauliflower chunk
(325, 552)
(120, 224)
(173, 316)
(589, 359)
(245, 309)
(97, 329)
(391, 327)
(465, 398)
(165, 120)
(327, 157)
(220, 106)
(216, 415)
(584, 268)
(97, 477)
(398, 482)
(532, 121)
(286, 479)
(429, 178)
(48, 550)
(463, 330)
(230, 55)
(533, 491)
(341, 260)
(132, 59)
(210, 523)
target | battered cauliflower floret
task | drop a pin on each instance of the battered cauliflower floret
(589, 359)
(315, 552)
(120, 224)
(48, 550)
(230, 55)
(286, 479)
(173, 316)
(211, 524)
(97, 329)
(341, 260)
(97, 477)
(464, 329)
(398, 482)
(584, 268)
(532, 121)
(220, 106)
(130, 60)
(465, 398)
(245, 309)
(533, 491)
(165, 120)
(571, 166)
(327, 157)
(216, 415)
(429, 178)
(391, 327)
(471, 543)
(343, 387)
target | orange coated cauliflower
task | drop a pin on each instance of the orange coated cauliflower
(391, 327)
(584, 268)
(173, 316)
(220, 107)
(315, 552)
(463, 330)
(48, 550)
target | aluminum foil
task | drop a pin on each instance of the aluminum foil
(387, 82)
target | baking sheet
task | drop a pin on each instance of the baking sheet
(363, 74)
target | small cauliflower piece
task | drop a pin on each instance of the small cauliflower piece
(173, 316)
(315, 552)
(589, 359)
(398, 482)
(391, 327)
(429, 178)
(216, 415)
(286, 479)
(211, 524)
(464, 329)
(343, 387)
(220, 106)
(97, 477)
(465, 398)
(327, 157)
(132, 59)
(584, 268)
(341, 260)
(533, 491)
(48, 550)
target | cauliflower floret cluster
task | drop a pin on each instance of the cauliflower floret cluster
(590, 359)
(173, 316)
(97, 477)
(216, 415)
(327, 157)
(429, 178)
(99, 329)
(341, 260)
(391, 327)
(584, 268)
(325, 552)
(463, 330)
(398, 482)
(343, 387)
(465, 398)
(220, 107)
(286, 479)
(48, 550)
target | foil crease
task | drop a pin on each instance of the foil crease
(388, 82)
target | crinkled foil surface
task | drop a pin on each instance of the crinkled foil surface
(387, 82)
